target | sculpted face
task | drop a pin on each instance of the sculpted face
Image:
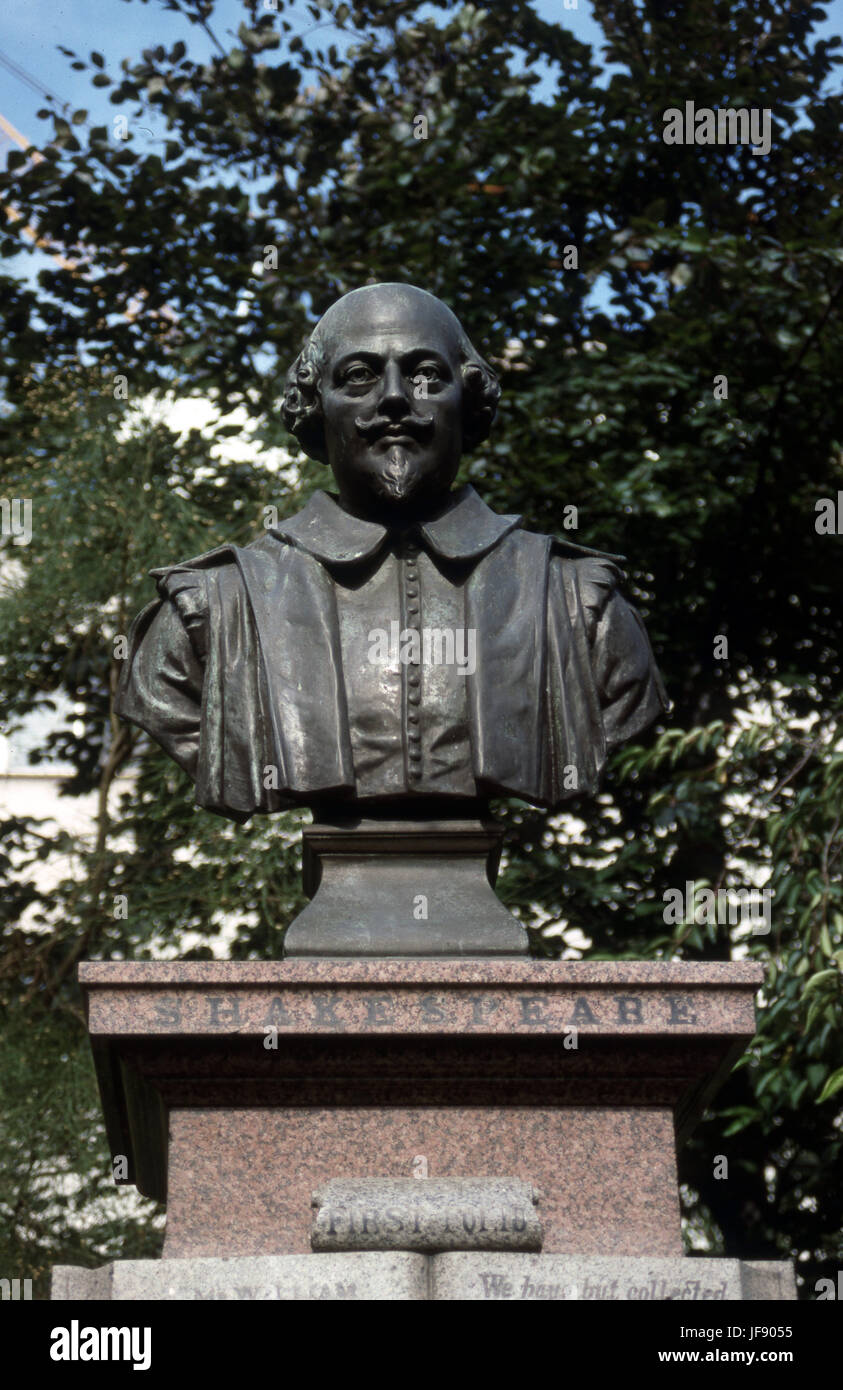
(391, 399)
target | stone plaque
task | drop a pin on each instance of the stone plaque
(428, 1214)
(401, 1276)
(395, 1276)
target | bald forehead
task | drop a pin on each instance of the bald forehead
(388, 315)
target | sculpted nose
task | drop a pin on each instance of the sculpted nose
(395, 399)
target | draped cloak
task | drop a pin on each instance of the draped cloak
(237, 666)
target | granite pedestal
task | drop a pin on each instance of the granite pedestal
(393, 1276)
(235, 1091)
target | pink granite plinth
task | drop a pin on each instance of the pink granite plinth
(236, 1089)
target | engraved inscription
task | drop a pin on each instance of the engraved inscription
(377, 1221)
(434, 1214)
(630, 1008)
(680, 1010)
(533, 1009)
(378, 1009)
(277, 1013)
(167, 1012)
(252, 1293)
(583, 1012)
(538, 1288)
(432, 1008)
(482, 1007)
(502, 1011)
(326, 1009)
(224, 1010)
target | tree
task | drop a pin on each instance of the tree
(665, 319)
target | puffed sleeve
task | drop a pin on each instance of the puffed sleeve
(629, 686)
(161, 683)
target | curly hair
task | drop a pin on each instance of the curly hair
(302, 403)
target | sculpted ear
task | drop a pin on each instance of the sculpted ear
(481, 393)
(302, 405)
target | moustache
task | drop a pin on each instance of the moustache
(416, 426)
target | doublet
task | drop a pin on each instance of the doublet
(257, 667)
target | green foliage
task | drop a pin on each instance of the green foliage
(692, 263)
(58, 1204)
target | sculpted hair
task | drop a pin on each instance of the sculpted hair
(302, 403)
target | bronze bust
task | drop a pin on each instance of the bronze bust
(398, 649)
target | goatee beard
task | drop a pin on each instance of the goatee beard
(399, 478)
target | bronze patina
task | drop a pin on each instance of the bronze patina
(397, 653)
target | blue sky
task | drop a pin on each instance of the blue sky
(30, 34)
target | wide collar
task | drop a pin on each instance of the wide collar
(465, 530)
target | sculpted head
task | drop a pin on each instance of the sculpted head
(390, 392)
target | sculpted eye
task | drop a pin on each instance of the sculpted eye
(427, 371)
(358, 374)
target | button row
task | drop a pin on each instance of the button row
(411, 591)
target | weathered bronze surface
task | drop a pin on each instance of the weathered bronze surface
(398, 650)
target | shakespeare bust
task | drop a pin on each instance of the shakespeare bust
(396, 648)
